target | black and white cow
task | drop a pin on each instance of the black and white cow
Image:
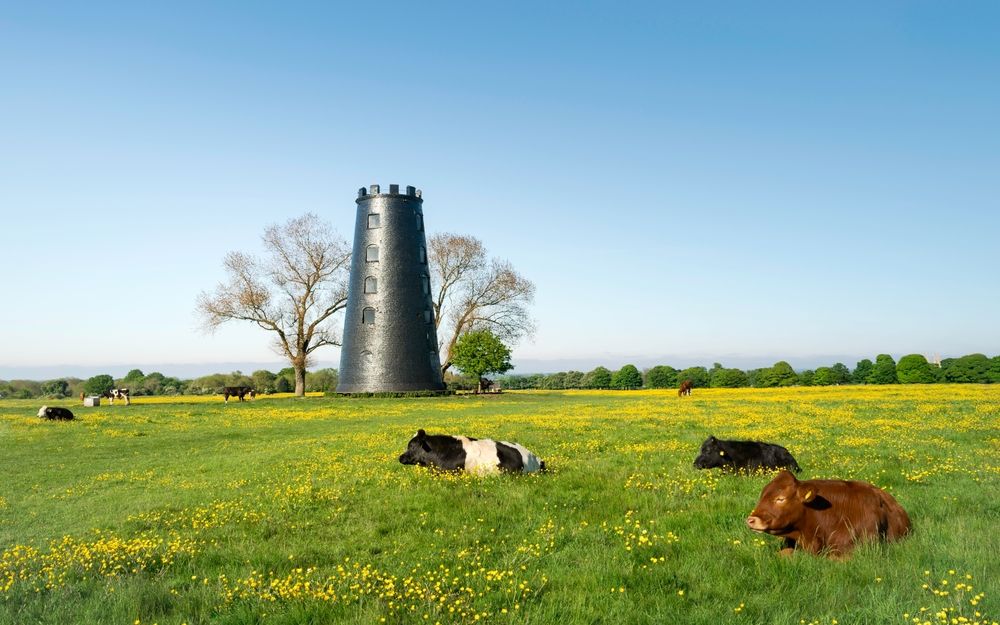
(117, 393)
(458, 453)
(238, 391)
(63, 414)
(745, 455)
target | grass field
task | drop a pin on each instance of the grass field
(296, 511)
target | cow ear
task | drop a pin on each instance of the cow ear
(808, 495)
(421, 434)
(712, 438)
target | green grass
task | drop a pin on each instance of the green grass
(200, 512)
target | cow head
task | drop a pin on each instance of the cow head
(782, 504)
(712, 455)
(41, 411)
(417, 451)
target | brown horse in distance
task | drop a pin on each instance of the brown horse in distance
(685, 388)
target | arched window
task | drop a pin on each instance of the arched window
(371, 285)
(371, 254)
(368, 316)
(374, 220)
(420, 222)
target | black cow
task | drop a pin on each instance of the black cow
(238, 391)
(55, 413)
(745, 455)
(457, 453)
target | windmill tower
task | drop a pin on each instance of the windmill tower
(390, 341)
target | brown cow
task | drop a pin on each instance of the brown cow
(827, 516)
(685, 388)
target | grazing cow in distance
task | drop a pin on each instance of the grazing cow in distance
(685, 388)
(827, 517)
(745, 455)
(117, 393)
(55, 413)
(238, 391)
(480, 456)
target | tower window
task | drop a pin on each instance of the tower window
(420, 222)
(423, 254)
(425, 285)
(374, 220)
(371, 254)
(368, 316)
(371, 285)
(427, 316)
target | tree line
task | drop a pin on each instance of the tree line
(911, 369)
(156, 383)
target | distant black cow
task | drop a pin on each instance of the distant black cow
(745, 455)
(238, 391)
(457, 453)
(117, 393)
(62, 414)
(685, 388)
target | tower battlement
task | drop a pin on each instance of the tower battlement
(375, 189)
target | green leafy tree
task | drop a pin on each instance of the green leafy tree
(209, 384)
(884, 371)
(780, 374)
(806, 377)
(554, 381)
(263, 381)
(574, 379)
(661, 376)
(99, 384)
(236, 378)
(862, 370)
(480, 352)
(970, 369)
(914, 369)
(993, 373)
(698, 376)
(600, 377)
(282, 385)
(823, 376)
(133, 379)
(322, 380)
(729, 378)
(841, 374)
(628, 377)
(55, 388)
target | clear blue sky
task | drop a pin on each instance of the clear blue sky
(683, 182)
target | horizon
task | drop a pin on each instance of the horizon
(676, 180)
(521, 367)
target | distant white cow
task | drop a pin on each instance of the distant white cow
(117, 393)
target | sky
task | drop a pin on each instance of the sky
(685, 183)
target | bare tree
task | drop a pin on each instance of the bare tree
(476, 293)
(295, 292)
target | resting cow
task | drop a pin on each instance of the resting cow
(63, 414)
(238, 391)
(685, 388)
(745, 455)
(457, 453)
(827, 516)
